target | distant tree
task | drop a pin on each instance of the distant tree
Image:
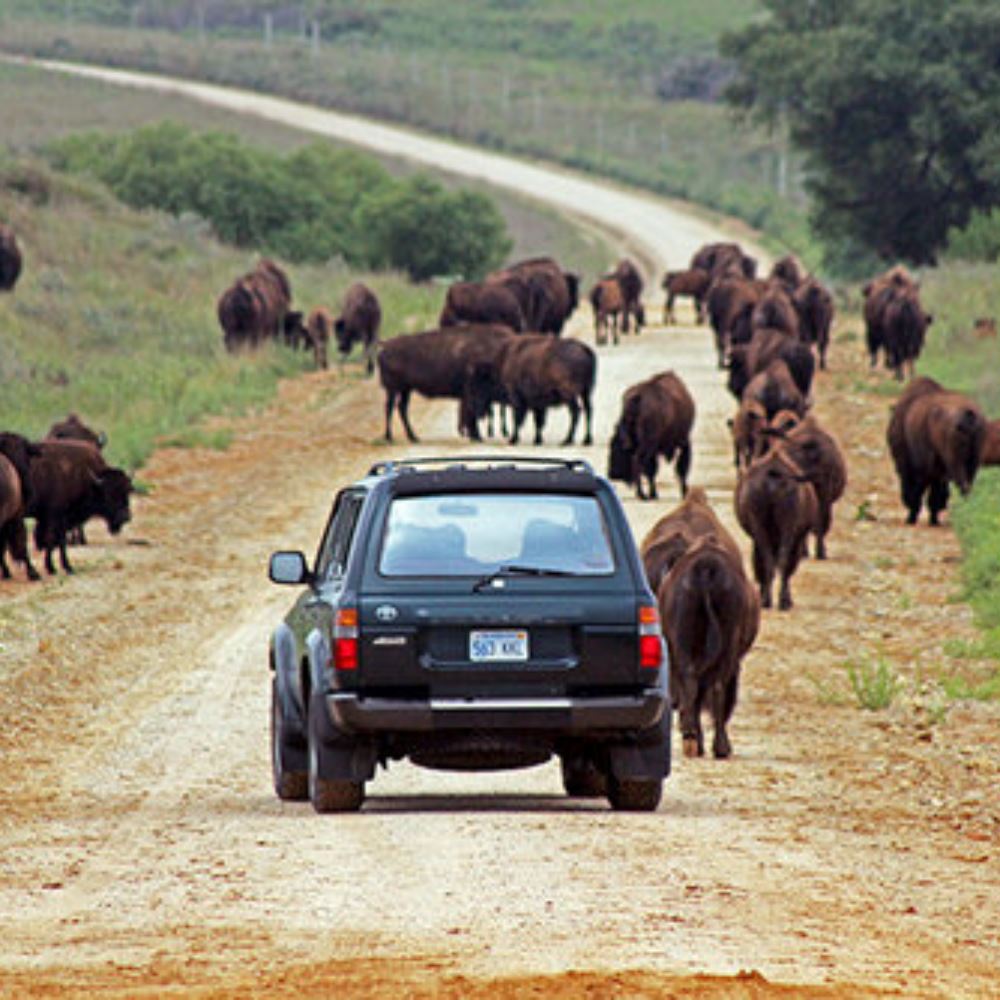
(419, 227)
(895, 105)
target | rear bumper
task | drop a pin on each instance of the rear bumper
(354, 714)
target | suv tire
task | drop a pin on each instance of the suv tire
(291, 784)
(634, 794)
(582, 779)
(328, 795)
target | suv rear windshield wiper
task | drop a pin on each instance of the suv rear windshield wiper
(514, 570)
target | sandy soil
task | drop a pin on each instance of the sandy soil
(840, 853)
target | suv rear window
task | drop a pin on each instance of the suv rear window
(473, 533)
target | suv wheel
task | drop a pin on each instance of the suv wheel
(291, 784)
(581, 778)
(329, 794)
(634, 794)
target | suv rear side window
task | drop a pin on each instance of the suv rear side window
(336, 544)
(474, 533)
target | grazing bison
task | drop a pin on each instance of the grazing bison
(675, 532)
(776, 506)
(693, 282)
(935, 438)
(608, 303)
(814, 304)
(10, 259)
(819, 457)
(547, 294)
(319, 330)
(630, 281)
(70, 483)
(710, 615)
(482, 302)
(437, 364)
(359, 322)
(257, 307)
(656, 419)
(16, 454)
(538, 372)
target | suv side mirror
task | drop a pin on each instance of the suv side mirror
(288, 567)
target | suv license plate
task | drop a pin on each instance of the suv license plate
(490, 647)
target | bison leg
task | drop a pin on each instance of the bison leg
(574, 419)
(912, 489)
(668, 311)
(721, 747)
(683, 466)
(390, 402)
(539, 414)
(17, 542)
(763, 571)
(937, 499)
(588, 416)
(788, 561)
(520, 412)
(404, 414)
(689, 715)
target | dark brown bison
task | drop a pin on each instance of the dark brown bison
(716, 258)
(774, 310)
(746, 360)
(257, 307)
(819, 456)
(814, 305)
(748, 428)
(608, 302)
(437, 364)
(787, 272)
(538, 372)
(935, 438)
(74, 429)
(878, 293)
(710, 615)
(319, 328)
(775, 389)
(630, 281)
(904, 327)
(776, 506)
(70, 483)
(359, 321)
(656, 419)
(16, 453)
(730, 303)
(675, 532)
(991, 444)
(482, 302)
(693, 282)
(547, 294)
(10, 259)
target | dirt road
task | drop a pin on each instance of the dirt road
(844, 852)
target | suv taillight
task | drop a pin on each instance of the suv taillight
(345, 639)
(650, 639)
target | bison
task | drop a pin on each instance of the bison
(608, 302)
(693, 282)
(437, 364)
(746, 360)
(482, 302)
(879, 293)
(814, 304)
(730, 303)
(16, 454)
(748, 428)
(672, 535)
(656, 419)
(319, 330)
(10, 259)
(547, 294)
(775, 389)
(70, 483)
(774, 310)
(710, 615)
(819, 456)
(904, 326)
(74, 429)
(257, 307)
(359, 321)
(787, 273)
(935, 438)
(776, 506)
(538, 372)
(629, 280)
(717, 258)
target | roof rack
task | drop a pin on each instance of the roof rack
(464, 461)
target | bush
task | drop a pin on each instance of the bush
(978, 241)
(420, 228)
(317, 204)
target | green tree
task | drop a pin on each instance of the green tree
(895, 105)
(419, 227)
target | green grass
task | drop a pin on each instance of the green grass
(572, 84)
(114, 318)
(873, 682)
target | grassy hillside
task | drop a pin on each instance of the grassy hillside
(575, 83)
(114, 317)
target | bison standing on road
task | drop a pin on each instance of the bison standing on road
(359, 322)
(547, 294)
(814, 304)
(935, 438)
(10, 259)
(16, 453)
(693, 282)
(609, 306)
(482, 302)
(776, 506)
(630, 282)
(879, 293)
(656, 419)
(538, 372)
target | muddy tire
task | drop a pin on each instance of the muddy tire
(634, 794)
(582, 780)
(328, 795)
(291, 780)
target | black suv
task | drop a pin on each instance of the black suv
(471, 614)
